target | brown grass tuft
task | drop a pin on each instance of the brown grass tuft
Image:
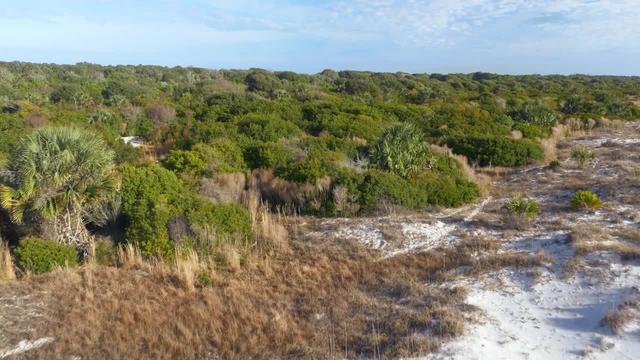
(188, 266)
(627, 312)
(129, 256)
(223, 188)
(7, 271)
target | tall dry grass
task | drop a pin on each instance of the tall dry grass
(269, 231)
(7, 270)
(187, 267)
(550, 145)
(483, 181)
(129, 256)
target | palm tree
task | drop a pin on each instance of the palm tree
(59, 176)
(402, 150)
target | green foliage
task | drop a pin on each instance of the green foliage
(267, 155)
(151, 195)
(535, 114)
(582, 155)
(58, 170)
(303, 127)
(105, 253)
(402, 150)
(12, 129)
(523, 207)
(496, 151)
(40, 256)
(266, 127)
(445, 185)
(531, 131)
(204, 280)
(585, 200)
(221, 155)
(226, 219)
(320, 162)
(182, 161)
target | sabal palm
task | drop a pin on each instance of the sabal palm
(58, 171)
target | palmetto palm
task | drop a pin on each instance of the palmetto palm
(58, 175)
(402, 150)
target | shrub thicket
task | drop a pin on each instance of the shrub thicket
(496, 151)
(40, 256)
(151, 195)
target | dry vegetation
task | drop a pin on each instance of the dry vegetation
(625, 314)
(304, 300)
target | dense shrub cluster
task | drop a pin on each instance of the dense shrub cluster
(496, 151)
(338, 143)
(40, 256)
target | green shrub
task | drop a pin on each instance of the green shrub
(444, 185)
(182, 161)
(40, 256)
(319, 163)
(221, 155)
(496, 151)
(226, 219)
(585, 200)
(267, 155)
(151, 195)
(402, 150)
(554, 164)
(266, 127)
(531, 131)
(582, 155)
(522, 207)
(535, 114)
(105, 253)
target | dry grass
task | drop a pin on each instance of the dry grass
(590, 239)
(483, 181)
(550, 145)
(269, 232)
(7, 271)
(312, 300)
(626, 313)
(188, 266)
(129, 256)
(223, 188)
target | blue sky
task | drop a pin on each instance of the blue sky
(503, 36)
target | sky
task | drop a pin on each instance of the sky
(430, 36)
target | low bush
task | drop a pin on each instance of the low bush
(582, 155)
(585, 200)
(267, 155)
(226, 219)
(554, 164)
(444, 185)
(40, 256)
(105, 253)
(182, 161)
(221, 155)
(531, 131)
(496, 150)
(151, 195)
(522, 210)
